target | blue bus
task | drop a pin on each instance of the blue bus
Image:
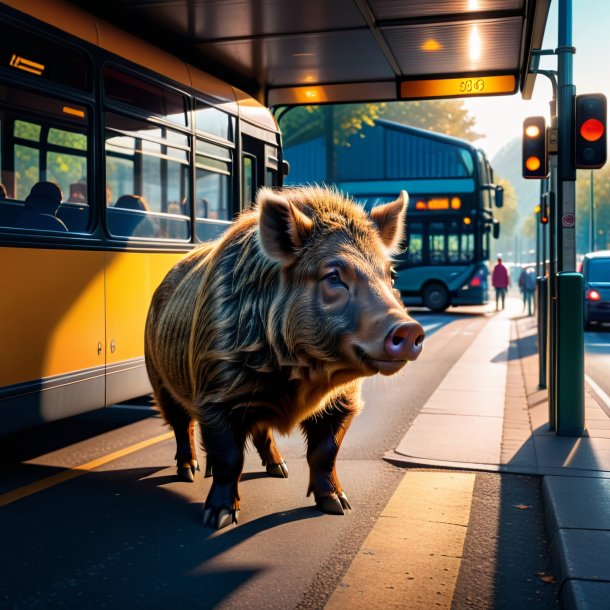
(450, 217)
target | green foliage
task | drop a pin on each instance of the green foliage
(303, 123)
(449, 117)
(63, 167)
(601, 197)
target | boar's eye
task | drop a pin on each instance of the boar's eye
(333, 278)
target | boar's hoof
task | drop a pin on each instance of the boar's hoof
(344, 502)
(208, 469)
(186, 472)
(333, 504)
(225, 517)
(278, 470)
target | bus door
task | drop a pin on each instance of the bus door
(252, 169)
(259, 167)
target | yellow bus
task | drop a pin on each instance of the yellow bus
(116, 159)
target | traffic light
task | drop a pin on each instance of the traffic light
(544, 207)
(535, 157)
(590, 131)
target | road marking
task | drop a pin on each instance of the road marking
(600, 393)
(67, 475)
(411, 558)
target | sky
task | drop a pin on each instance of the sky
(501, 118)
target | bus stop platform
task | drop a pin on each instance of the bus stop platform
(489, 414)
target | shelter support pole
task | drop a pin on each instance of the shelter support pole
(569, 284)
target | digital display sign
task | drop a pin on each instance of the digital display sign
(458, 87)
(438, 203)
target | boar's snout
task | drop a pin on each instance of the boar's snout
(405, 341)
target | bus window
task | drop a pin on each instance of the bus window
(271, 177)
(143, 95)
(213, 168)
(271, 166)
(212, 190)
(212, 121)
(26, 155)
(415, 248)
(248, 179)
(145, 163)
(437, 244)
(487, 195)
(460, 242)
(44, 140)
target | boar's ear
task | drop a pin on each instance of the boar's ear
(390, 221)
(283, 229)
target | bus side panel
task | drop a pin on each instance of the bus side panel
(413, 279)
(52, 334)
(131, 279)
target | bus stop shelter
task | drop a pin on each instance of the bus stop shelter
(293, 52)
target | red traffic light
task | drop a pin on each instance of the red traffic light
(592, 130)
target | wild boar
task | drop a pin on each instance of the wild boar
(274, 324)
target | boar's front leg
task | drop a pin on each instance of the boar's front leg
(224, 445)
(325, 432)
(263, 440)
(184, 431)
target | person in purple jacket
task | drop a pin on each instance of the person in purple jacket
(500, 280)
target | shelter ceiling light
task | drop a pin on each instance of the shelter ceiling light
(475, 43)
(431, 45)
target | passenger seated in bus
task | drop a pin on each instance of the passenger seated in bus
(3, 194)
(78, 192)
(41, 207)
(137, 224)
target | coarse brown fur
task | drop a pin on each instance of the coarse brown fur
(247, 333)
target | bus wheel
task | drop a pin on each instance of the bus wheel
(436, 297)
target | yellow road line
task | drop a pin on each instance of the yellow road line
(67, 475)
(411, 558)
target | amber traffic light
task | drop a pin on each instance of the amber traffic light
(535, 159)
(590, 131)
(543, 208)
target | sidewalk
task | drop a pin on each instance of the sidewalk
(488, 414)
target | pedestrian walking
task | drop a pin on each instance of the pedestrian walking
(500, 281)
(527, 284)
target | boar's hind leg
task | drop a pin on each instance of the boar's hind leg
(263, 440)
(324, 434)
(224, 445)
(184, 431)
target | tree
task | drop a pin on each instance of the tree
(303, 123)
(601, 197)
(449, 117)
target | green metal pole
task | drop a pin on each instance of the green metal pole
(570, 369)
(570, 347)
(591, 214)
(569, 324)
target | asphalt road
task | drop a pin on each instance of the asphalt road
(93, 532)
(597, 361)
